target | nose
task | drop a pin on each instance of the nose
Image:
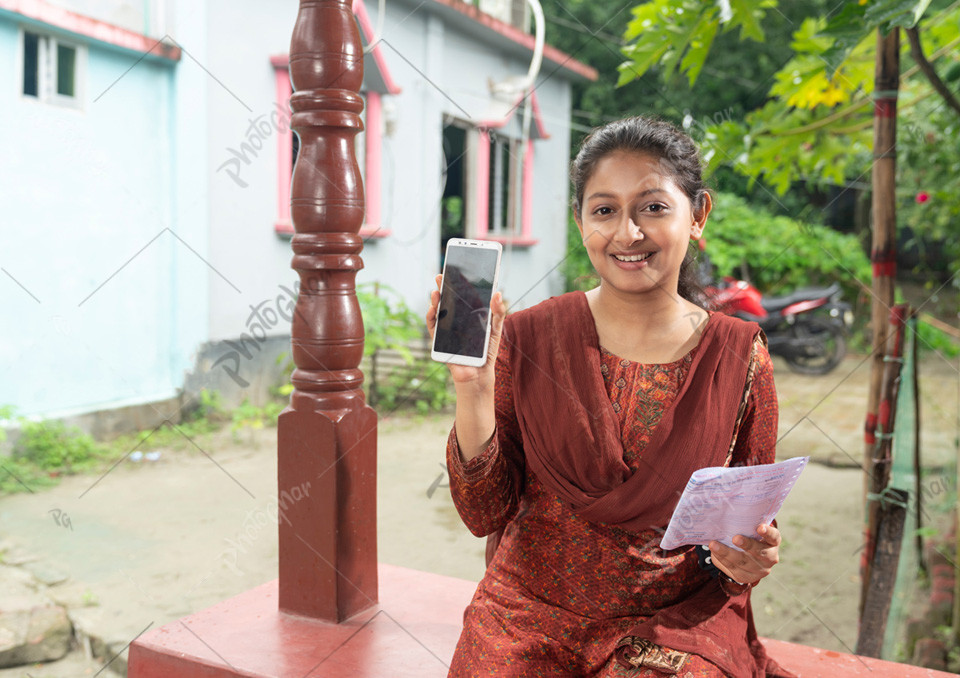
(629, 231)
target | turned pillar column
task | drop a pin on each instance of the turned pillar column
(327, 435)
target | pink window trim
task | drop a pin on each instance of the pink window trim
(284, 225)
(483, 184)
(78, 24)
(525, 239)
(373, 161)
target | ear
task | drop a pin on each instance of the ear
(576, 218)
(700, 218)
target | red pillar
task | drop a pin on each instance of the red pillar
(327, 436)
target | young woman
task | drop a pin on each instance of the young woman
(573, 442)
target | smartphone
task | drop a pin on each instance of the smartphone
(470, 272)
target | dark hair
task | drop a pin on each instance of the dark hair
(679, 156)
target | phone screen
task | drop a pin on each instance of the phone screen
(465, 295)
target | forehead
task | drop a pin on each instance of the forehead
(624, 170)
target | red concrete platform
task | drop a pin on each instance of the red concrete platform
(412, 633)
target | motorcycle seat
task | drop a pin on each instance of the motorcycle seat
(777, 304)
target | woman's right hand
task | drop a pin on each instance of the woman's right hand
(481, 378)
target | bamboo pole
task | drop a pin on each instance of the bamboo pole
(884, 573)
(886, 84)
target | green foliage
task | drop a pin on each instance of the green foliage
(779, 254)
(425, 386)
(685, 31)
(44, 451)
(252, 417)
(578, 272)
(937, 341)
(286, 386)
(815, 124)
(52, 446)
(387, 320)
(927, 180)
(391, 325)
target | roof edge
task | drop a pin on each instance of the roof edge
(526, 40)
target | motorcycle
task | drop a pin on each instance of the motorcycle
(808, 328)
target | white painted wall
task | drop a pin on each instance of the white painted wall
(444, 69)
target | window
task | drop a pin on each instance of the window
(51, 69)
(504, 161)
(367, 150)
(504, 189)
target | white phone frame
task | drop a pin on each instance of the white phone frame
(456, 358)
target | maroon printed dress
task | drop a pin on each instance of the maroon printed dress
(562, 591)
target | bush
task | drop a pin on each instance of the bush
(778, 254)
(390, 324)
(775, 253)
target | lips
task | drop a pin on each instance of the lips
(628, 258)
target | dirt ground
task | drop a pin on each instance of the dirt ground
(156, 540)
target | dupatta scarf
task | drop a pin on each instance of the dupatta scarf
(571, 433)
(571, 441)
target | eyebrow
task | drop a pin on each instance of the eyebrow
(611, 195)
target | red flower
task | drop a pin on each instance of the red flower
(922, 197)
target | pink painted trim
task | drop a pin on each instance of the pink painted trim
(88, 27)
(372, 163)
(369, 33)
(483, 184)
(372, 189)
(363, 18)
(516, 35)
(537, 117)
(368, 232)
(284, 148)
(526, 208)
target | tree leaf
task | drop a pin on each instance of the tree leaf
(888, 14)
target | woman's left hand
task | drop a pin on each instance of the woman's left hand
(754, 562)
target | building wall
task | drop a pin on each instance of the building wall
(421, 48)
(244, 249)
(96, 318)
(134, 263)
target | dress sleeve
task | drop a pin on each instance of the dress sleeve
(486, 490)
(756, 441)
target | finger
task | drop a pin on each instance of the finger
(741, 566)
(438, 279)
(769, 534)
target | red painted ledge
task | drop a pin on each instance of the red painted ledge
(88, 27)
(516, 35)
(411, 633)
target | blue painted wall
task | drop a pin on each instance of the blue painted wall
(108, 305)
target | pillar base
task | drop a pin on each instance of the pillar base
(412, 632)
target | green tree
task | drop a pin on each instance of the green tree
(815, 124)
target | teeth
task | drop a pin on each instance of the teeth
(636, 257)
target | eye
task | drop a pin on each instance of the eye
(655, 208)
(602, 211)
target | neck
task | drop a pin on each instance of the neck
(639, 312)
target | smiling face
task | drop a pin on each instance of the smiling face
(636, 223)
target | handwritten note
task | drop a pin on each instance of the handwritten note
(719, 503)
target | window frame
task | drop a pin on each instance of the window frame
(47, 69)
(522, 237)
(370, 164)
